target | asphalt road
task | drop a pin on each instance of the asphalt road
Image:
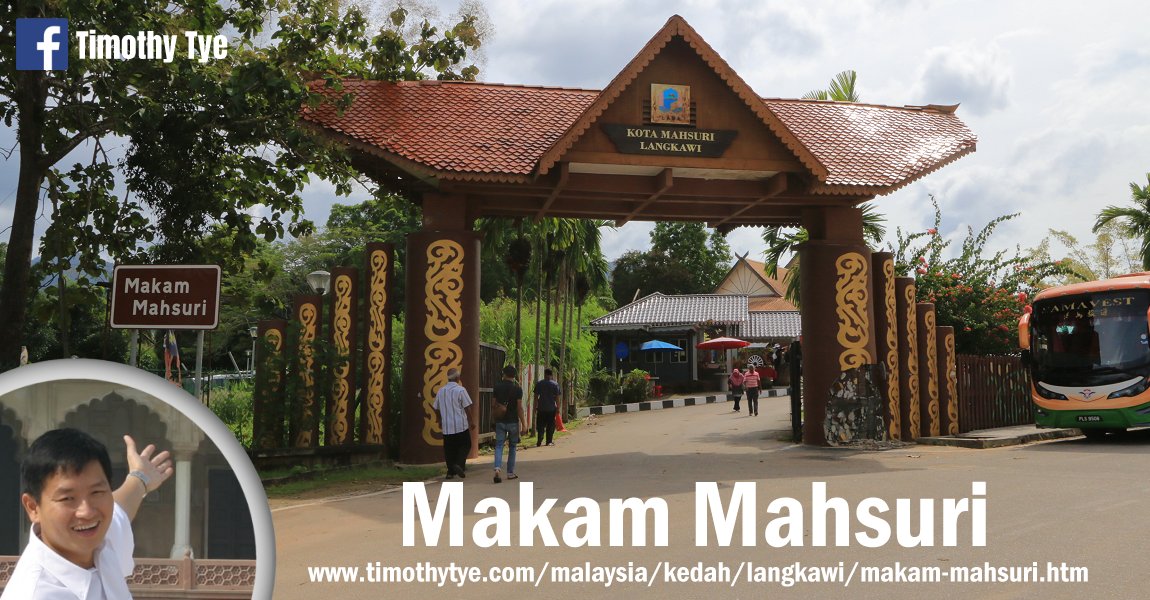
(1065, 501)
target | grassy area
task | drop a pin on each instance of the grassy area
(364, 479)
(350, 480)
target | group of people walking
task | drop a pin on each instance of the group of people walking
(750, 381)
(508, 414)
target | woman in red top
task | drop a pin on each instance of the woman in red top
(751, 384)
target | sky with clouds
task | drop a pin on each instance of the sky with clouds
(1057, 92)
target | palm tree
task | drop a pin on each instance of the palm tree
(841, 89)
(783, 240)
(585, 268)
(1134, 219)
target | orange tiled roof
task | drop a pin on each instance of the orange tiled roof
(467, 129)
(776, 283)
(875, 146)
(456, 127)
(767, 303)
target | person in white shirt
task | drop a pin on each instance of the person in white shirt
(81, 543)
(451, 402)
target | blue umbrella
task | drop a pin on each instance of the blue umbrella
(658, 345)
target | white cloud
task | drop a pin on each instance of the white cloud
(978, 78)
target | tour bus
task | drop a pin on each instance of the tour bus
(1086, 347)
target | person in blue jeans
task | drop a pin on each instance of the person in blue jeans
(546, 406)
(508, 400)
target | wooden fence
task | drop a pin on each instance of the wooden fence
(993, 391)
(491, 361)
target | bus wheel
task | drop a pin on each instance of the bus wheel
(1095, 435)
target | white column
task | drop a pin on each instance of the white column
(182, 544)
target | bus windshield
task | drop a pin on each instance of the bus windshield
(1091, 339)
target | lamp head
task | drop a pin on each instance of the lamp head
(319, 281)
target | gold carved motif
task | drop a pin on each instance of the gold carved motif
(851, 309)
(375, 346)
(892, 388)
(309, 321)
(443, 298)
(274, 341)
(341, 331)
(932, 373)
(912, 362)
(951, 386)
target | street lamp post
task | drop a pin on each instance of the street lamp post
(320, 282)
(254, 332)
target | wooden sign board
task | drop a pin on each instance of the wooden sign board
(165, 297)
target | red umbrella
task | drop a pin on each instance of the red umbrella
(722, 343)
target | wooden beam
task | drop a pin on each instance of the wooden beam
(666, 182)
(564, 174)
(776, 185)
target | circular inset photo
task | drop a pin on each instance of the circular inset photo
(111, 474)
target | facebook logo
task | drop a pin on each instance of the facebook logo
(41, 44)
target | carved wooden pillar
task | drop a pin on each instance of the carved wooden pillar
(373, 415)
(907, 357)
(931, 422)
(836, 316)
(306, 413)
(268, 397)
(886, 338)
(342, 328)
(948, 380)
(442, 324)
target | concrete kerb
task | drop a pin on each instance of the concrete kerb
(981, 439)
(1002, 436)
(665, 403)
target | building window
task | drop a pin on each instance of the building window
(655, 356)
(681, 356)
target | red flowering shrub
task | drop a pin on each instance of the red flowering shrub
(981, 296)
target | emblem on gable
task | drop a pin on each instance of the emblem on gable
(670, 104)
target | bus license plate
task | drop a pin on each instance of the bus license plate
(1089, 419)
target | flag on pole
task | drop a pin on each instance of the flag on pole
(172, 356)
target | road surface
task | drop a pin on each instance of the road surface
(1066, 509)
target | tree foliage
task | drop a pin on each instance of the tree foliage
(840, 89)
(204, 143)
(684, 259)
(978, 292)
(1111, 253)
(784, 241)
(1134, 219)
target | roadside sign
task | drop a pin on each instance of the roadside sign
(165, 297)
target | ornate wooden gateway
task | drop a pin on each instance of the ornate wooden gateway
(678, 136)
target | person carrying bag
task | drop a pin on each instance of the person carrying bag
(735, 382)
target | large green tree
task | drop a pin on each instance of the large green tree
(1135, 219)
(684, 259)
(205, 143)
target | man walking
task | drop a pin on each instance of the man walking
(546, 406)
(451, 402)
(509, 418)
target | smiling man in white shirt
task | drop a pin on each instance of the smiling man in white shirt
(81, 543)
